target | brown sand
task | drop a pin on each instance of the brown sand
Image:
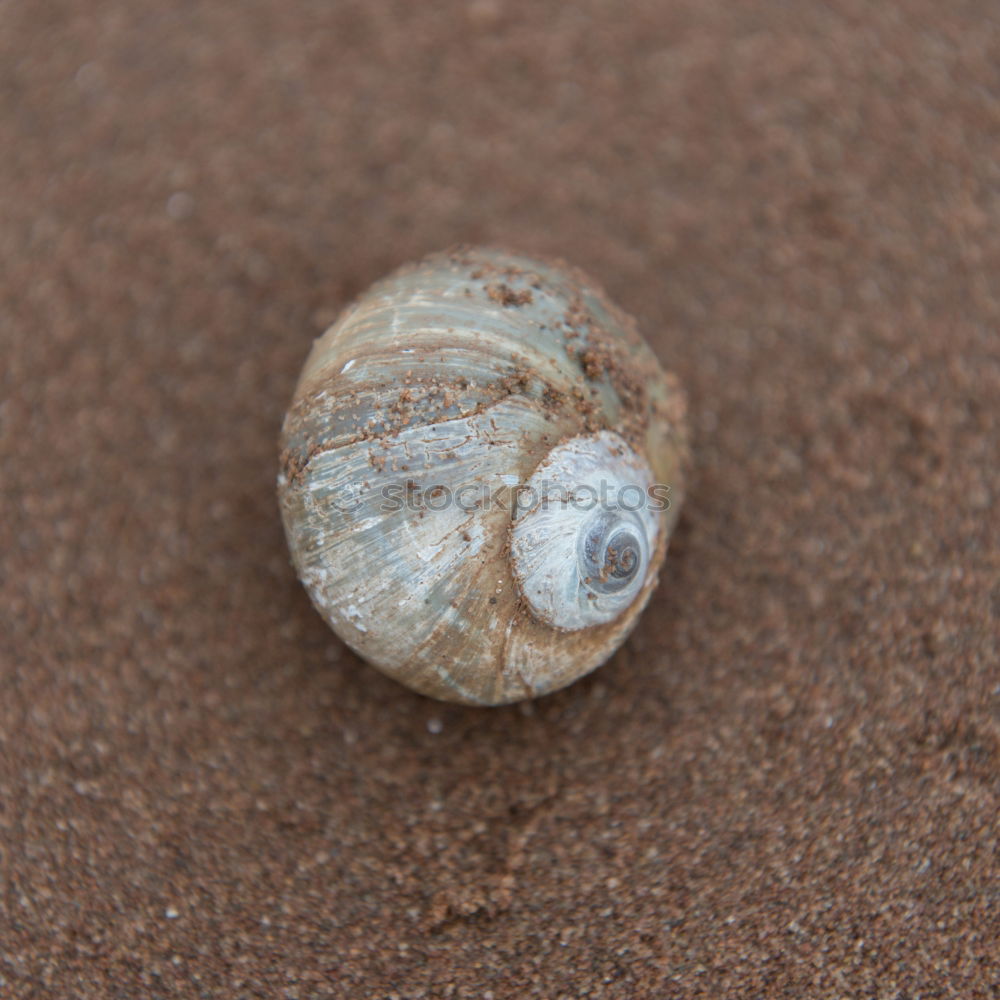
(786, 784)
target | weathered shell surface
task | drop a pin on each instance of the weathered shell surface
(444, 387)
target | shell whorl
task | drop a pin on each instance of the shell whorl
(584, 533)
(482, 372)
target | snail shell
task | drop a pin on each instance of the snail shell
(480, 470)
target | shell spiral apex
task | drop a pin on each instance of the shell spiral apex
(480, 470)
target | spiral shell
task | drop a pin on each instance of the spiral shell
(580, 561)
(480, 469)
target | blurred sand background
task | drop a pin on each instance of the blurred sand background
(786, 783)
